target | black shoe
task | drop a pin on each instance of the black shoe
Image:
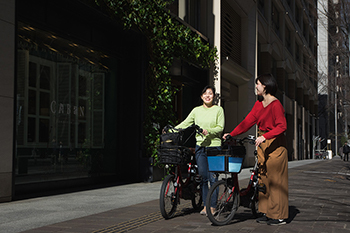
(275, 222)
(262, 219)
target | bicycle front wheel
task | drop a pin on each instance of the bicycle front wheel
(255, 204)
(196, 196)
(168, 198)
(227, 203)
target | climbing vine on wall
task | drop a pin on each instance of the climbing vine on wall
(167, 39)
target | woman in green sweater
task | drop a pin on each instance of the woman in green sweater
(210, 118)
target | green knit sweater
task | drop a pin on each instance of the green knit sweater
(212, 119)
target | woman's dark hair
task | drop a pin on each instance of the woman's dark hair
(269, 82)
(208, 87)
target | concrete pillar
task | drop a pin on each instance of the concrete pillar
(217, 44)
(295, 141)
(7, 81)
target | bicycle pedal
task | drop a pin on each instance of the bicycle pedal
(198, 178)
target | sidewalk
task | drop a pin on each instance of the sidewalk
(319, 201)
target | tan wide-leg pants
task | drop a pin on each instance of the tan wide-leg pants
(273, 172)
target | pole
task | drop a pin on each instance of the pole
(345, 94)
(335, 117)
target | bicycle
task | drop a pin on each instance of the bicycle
(174, 153)
(229, 196)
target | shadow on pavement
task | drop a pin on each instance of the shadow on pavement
(293, 211)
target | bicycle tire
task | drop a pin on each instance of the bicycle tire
(227, 203)
(254, 205)
(196, 196)
(168, 198)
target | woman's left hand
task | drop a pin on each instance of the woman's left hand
(259, 140)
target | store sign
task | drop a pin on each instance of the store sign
(67, 109)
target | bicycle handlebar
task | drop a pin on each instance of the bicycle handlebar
(196, 128)
(249, 138)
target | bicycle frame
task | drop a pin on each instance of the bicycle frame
(176, 185)
(230, 196)
(250, 184)
(251, 180)
(179, 184)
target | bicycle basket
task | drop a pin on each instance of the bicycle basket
(238, 151)
(170, 155)
(226, 160)
(170, 140)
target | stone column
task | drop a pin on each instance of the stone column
(7, 81)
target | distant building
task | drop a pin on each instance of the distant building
(333, 61)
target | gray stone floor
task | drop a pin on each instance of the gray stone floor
(319, 201)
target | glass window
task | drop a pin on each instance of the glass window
(61, 102)
(31, 129)
(44, 130)
(31, 102)
(82, 86)
(45, 77)
(32, 74)
(44, 104)
(261, 6)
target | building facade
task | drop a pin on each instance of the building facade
(334, 74)
(257, 37)
(73, 92)
(71, 75)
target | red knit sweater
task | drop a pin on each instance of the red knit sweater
(270, 118)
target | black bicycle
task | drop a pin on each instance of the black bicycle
(176, 153)
(226, 192)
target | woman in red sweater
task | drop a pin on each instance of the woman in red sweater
(268, 115)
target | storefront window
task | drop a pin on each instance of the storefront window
(60, 107)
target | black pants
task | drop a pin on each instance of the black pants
(346, 155)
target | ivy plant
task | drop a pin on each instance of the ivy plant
(167, 38)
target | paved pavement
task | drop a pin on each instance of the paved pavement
(319, 201)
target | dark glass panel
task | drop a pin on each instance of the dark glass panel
(32, 74)
(44, 128)
(32, 102)
(31, 129)
(44, 104)
(45, 77)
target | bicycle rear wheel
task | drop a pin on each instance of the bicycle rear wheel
(168, 198)
(227, 203)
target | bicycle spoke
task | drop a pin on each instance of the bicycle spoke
(168, 197)
(227, 202)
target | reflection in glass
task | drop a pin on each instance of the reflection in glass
(57, 81)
